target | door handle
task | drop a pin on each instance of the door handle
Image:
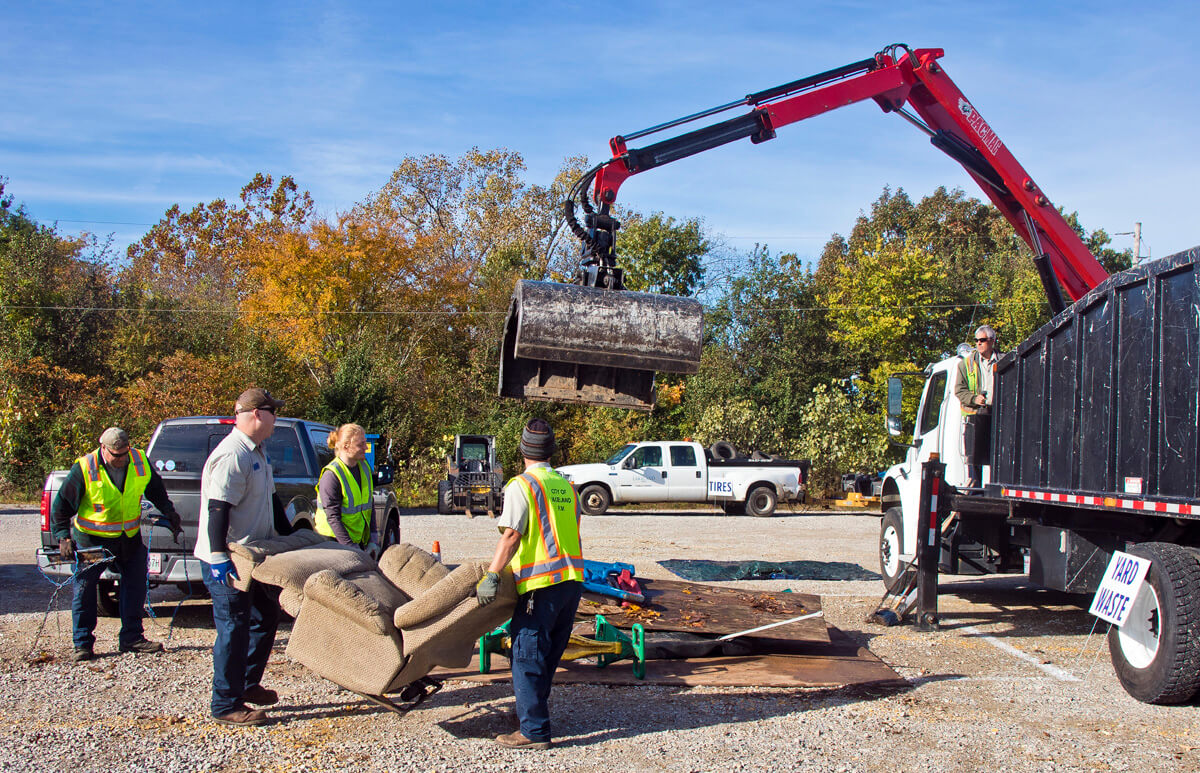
(664, 474)
(697, 473)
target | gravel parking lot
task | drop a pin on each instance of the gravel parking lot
(1014, 681)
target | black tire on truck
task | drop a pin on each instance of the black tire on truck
(723, 449)
(761, 501)
(108, 594)
(891, 545)
(1156, 654)
(391, 531)
(594, 499)
(444, 503)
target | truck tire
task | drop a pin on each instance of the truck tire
(444, 503)
(723, 449)
(1156, 654)
(761, 501)
(108, 596)
(391, 531)
(594, 499)
(891, 545)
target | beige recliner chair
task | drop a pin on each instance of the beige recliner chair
(374, 628)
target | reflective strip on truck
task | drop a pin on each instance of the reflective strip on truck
(1145, 505)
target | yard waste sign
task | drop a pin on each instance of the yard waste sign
(1122, 581)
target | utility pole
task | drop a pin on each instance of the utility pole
(1136, 233)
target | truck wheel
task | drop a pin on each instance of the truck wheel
(594, 500)
(761, 501)
(444, 504)
(891, 545)
(391, 532)
(1156, 654)
(108, 593)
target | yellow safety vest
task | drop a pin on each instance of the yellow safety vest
(356, 502)
(549, 552)
(105, 511)
(972, 382)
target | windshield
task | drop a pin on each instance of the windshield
(619, 455)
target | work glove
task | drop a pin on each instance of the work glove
(224, 573)
(373, 550)
(486, 589)
(66, 549)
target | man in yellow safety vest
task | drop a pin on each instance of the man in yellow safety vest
(976, 373)
(99, 505)
(539, 543)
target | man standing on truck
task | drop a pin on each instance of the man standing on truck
(99, 506)
(539, 540)
(974, 392)
(345, 491)
(238, 503)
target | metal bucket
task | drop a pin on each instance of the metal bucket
(576, 344)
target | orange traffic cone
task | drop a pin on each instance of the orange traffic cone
(437, 551)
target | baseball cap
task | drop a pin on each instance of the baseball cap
(114, 439)
(255, 397)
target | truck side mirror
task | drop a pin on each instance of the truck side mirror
(895, 406)
(630, 464)
(384, 475)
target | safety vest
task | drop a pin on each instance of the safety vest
(105, 511)
(972, 381)
(549, 552)
(356, 502)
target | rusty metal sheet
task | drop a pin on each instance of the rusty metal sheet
(708, 609)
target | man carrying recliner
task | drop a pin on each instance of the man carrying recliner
(539, 541)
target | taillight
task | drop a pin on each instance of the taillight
(45, 510)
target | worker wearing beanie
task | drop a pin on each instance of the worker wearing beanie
(539, 541)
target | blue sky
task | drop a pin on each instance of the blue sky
(110, 113)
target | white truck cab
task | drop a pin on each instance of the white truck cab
(938, 430)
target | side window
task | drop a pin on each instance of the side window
(283, 449)
(683, 456)
(648, 456)
(320, 441)
(934, 396)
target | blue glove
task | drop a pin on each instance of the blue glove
(224, 573)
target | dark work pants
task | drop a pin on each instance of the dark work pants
(541, 628)
(246, 623)
(130, 558)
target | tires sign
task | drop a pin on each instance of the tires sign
(1122, 580)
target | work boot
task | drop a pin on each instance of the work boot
(260, 696)
(142, 647)
(82, 654)
(242, 715)
(517, 740)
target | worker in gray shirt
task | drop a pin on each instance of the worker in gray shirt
(238, 503)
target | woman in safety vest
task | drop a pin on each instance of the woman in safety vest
(344, 510)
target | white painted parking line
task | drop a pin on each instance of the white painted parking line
(1054, 671)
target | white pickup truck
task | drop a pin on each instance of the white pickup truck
(685, 471)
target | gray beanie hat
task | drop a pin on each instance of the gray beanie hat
(537, 440)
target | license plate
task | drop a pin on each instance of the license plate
(156, 561)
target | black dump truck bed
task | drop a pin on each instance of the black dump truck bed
(1102, 401)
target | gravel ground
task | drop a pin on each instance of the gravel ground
(1013, 681)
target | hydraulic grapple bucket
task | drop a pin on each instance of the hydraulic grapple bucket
(576, 344)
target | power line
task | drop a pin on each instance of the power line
(455, 313)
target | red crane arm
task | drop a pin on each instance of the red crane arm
(914, 79)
